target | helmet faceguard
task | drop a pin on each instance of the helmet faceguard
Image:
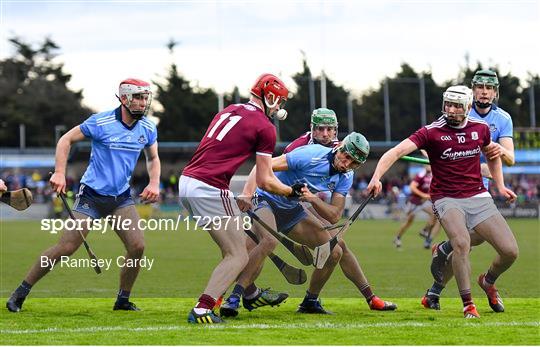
(460, 95)
(273, 93)
(134, 88)
(485, 78)
(356, 146)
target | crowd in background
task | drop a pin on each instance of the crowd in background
(395, 189)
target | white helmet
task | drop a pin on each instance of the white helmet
(133, 86)
(461, 95)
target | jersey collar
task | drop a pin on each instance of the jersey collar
(460, 126)
(118, 114)
(256, 105)
(492, 108)
(332, 170)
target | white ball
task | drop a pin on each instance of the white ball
(281, 114)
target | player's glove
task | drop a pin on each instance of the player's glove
(297, 190)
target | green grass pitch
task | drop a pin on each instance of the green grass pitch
(74, 306)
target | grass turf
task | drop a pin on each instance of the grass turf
(73, 305)
(163, 321)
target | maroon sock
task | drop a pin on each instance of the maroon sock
(366, 292)
(206, 301)
(490, 278)
(250, 290)
(466, 297)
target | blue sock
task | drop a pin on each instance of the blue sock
(123, 296)
(24, 289)
(238, 290)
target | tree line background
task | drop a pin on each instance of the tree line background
(34, 92)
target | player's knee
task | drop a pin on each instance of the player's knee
(268, 243)
(511, 253)
(461, 245)
(337, 252)
(136, 249)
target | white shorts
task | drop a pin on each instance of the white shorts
(475, 209)
(414, 209)
(201, 199)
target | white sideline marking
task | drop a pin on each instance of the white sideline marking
(261, 326)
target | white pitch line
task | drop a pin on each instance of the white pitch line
(480, 324)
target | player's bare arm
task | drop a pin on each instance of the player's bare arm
(484, 171)
(265, 175)
(58, 179)
(244, 200)
(387, 160)
(153, 165)
(3, 187)
(332, 211)
(415, 190)
(503, 149)
(262, 176)
(495, 167)
(507, 149)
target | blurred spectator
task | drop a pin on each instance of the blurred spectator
(395, 189)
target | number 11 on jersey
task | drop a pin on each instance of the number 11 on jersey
(232, 122)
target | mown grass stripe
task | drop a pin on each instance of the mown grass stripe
(477, 324)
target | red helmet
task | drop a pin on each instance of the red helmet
(270, 89)
(133, 86)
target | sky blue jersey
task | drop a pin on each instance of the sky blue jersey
(311, 164)
(500, 125)
(115, 150)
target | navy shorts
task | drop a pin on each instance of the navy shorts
(90, 203)
(286, 218)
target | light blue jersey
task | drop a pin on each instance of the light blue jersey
(499, 121)
(311, 164)
(500, 125)
(116, 147)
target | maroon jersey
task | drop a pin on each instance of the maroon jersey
(303, 140)
(423, 179)
(454, 155)
(233, 136)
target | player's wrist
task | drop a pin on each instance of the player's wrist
(289, 192)
(245, 194)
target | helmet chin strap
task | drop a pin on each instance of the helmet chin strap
(482, 104)
(266, 108)
(136, 115)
